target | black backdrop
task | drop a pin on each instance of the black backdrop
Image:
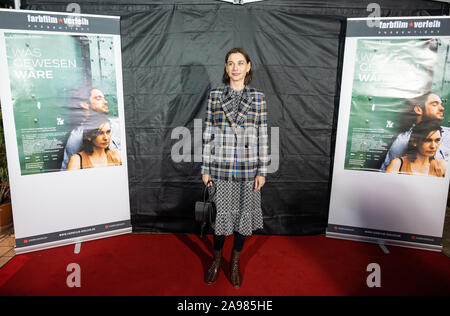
(173, 54)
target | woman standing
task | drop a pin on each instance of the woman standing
(235, 156)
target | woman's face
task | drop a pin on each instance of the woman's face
(103, 137)
(430, 145)
(237, 67)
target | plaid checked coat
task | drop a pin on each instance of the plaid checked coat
(235, 150)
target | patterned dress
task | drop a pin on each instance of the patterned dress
(238, 204)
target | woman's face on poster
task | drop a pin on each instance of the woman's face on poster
(430, 145)
(103, 136)
(237, 67)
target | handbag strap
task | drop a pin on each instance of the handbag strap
(206, 190)
(212, 215)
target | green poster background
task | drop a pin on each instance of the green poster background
(387, 72)
(44, 72)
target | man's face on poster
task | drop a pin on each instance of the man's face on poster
(98, 101)
(433, 108)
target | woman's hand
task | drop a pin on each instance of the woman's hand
(259, 182)
(206, 178)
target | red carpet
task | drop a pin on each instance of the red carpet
(168, 264)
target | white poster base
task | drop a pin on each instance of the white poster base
(66, 242)
(388, 242)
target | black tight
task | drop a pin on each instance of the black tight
(239, 241)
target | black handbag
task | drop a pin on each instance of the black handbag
(205, 211)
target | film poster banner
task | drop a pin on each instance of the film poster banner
(390, 181)
(63, 116)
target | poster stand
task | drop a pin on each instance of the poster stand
(61, 89)
(384, 248)
(392, 75)
(77, 248)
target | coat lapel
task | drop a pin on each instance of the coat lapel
(227, 105)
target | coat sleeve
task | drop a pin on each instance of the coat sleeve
(263, 146)
(207, 138)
